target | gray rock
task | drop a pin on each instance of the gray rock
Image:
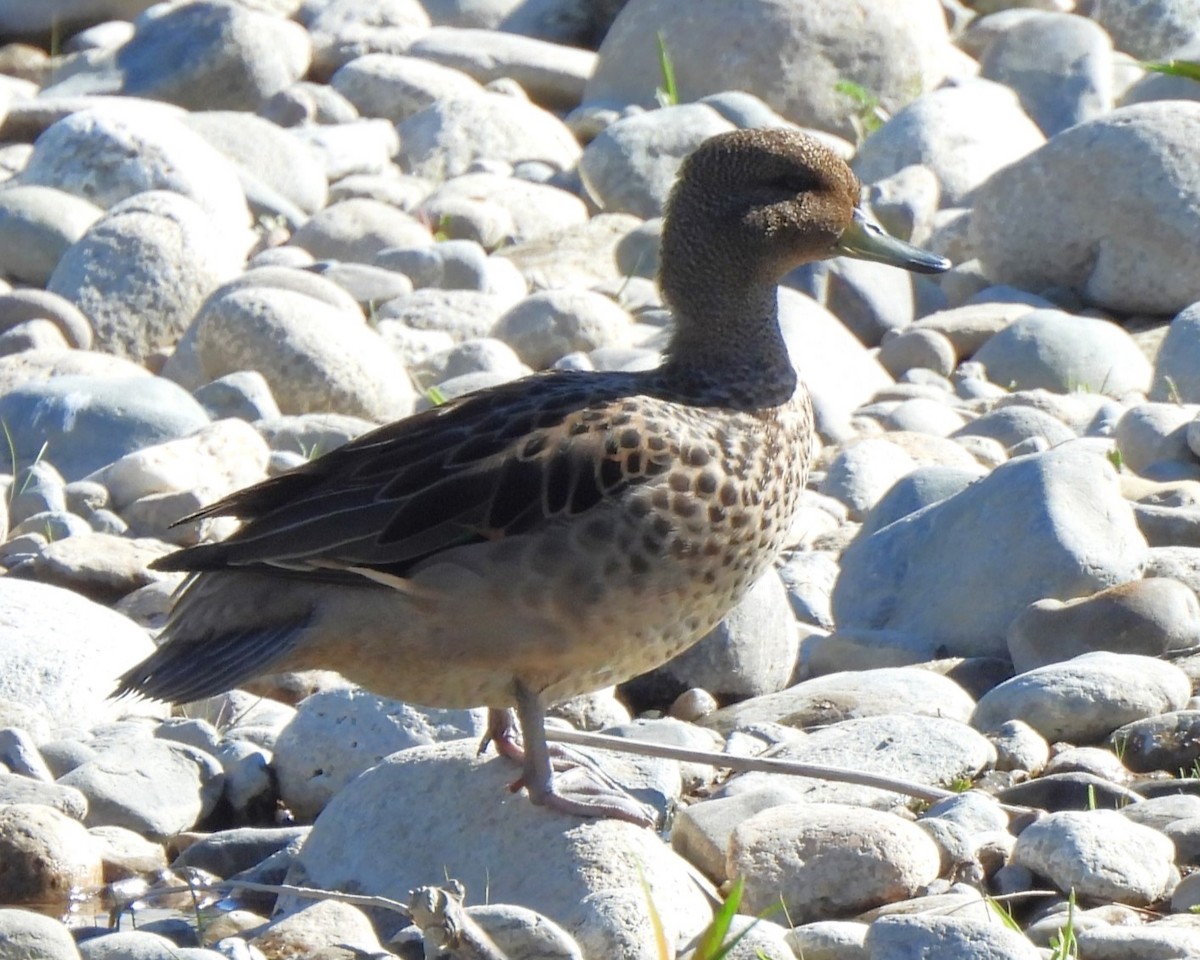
(1149, 433)
(1085, 699)
(26, 935)
(1060, 66)
(233, 58)
(553, 75)
(367, 284)
(913, 349)
(337, 735)
(700, 832)
(829, 940)
(315, 356)
(37, 226)
(835, 697)
(915, 490)
(132, 945)
(358, 147)
(1175, 370)
(546, 325)
(1166, 938)
(271, 162)
(1100, 854)
(630, 167)
(228, 852)
(808, 577)
(924, 583)
(86, 422)
(1149, 617)
(1165, 742)
(1150, 29)
(1014, 427)
(308, 102)
(396, 87)
(154, 787)
(582, 874)
(863, 472)
(1061, 353)
(142, 270)
(1019, 747)
(920, 749)
(357, 229)
(445, 138)
(1127, 257)
(825, 859)
(840, 373)
(36, 488)
(22, 306)
(963, 133)
(342, 30)
(910, 938)
(813, 46)
(496, 210)
(244, 394)
(110, 153)
(23, 789)
(19, 754)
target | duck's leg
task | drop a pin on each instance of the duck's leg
(593, 793)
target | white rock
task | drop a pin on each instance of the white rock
(61, 654)
(1036, 223)
(827, 858)
(929, 579)
(1085, 699)
(1099, 854)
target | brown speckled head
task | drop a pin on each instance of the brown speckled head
(751, 205)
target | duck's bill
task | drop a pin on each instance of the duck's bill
(866, 240)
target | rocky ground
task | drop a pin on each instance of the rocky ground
(236, 234)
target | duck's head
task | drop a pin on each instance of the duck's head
(751, 205)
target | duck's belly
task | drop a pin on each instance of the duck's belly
(581, 606)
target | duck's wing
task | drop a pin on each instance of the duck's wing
(489, 465)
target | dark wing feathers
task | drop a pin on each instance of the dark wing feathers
(479, 468)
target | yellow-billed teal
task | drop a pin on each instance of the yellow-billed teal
(544, 538)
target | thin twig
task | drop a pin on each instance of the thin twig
(742, 764)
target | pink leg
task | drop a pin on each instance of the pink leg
(594, 795)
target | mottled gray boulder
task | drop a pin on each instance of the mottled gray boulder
(1148, 29)
(1061, 352)
(86, 422)
(60, 655)
(895, 53)
(445, 138)
(1099, 854)
(964, 938)
(1036, 223)
(963, 133)
(1150, 617)
(1060, 66)
(582, 874)
(1056, 525)
(630, 167)
(1177, 367)
(111, 152)
(142, 270)
(1085, 699)
(826, 859)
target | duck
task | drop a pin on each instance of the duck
(559, 533)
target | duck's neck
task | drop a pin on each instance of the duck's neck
(727, 348)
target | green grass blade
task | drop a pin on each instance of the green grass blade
(1189, 69)
(669, 91)
(660, 936)
(711, 940)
